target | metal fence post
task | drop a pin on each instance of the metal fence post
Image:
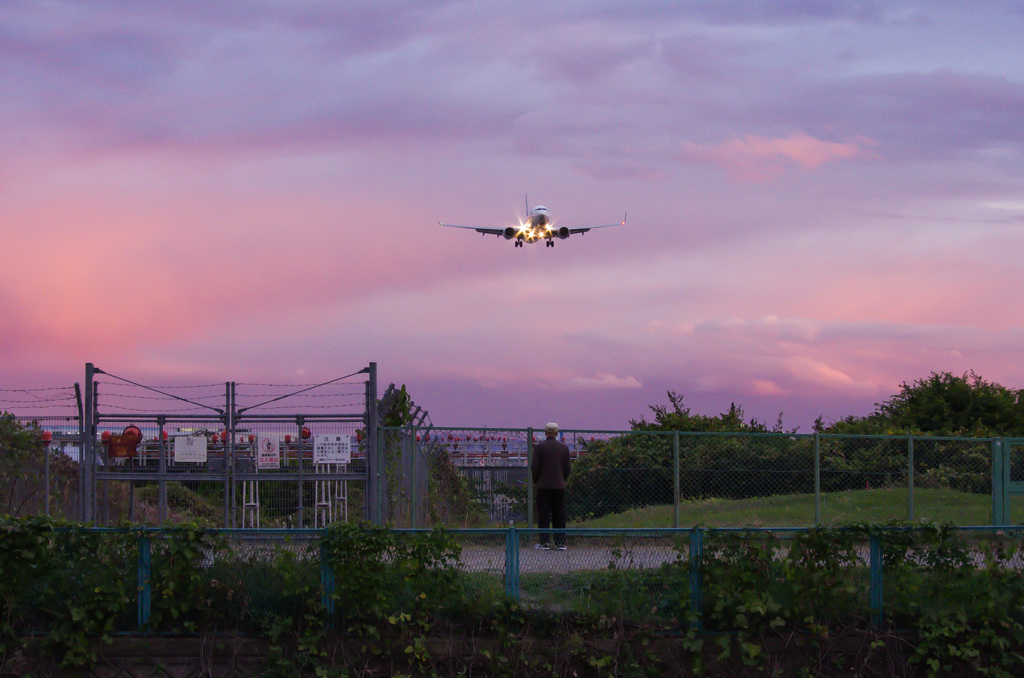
(46, 477)
(910, 477)
(89, 446)
(229, 447)
(414, 443)
(675, 478)
(161, 467)
(512, 564)
(145, 600)
(298, 425)
(877, 594)
(998, 517)
(326, 583)
(696, 592)
(817, 478)
(373, 472)
(529, 477)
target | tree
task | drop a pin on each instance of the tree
(944, 404)
(20, 447)
(680, 418)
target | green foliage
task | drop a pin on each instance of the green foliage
(400, 413)
(182, 595)
(379, 573)
(619, 474)
(944, 404)
(20, 446)
(954, 601)
(76, 584)
(680, 418)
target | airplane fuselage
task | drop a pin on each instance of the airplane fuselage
(535, 227)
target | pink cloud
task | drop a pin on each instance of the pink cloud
(603, 380)
(755, 158)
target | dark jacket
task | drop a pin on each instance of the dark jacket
(550, 465)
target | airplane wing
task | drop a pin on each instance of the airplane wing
(573, 231)
(478, 229)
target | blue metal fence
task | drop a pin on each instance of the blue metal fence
(646, 571)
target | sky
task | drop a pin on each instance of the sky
(824, 199)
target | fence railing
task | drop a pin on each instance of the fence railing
(675, 577)
(460, 477)
(621, 479)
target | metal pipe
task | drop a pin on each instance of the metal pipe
(675, 478)
(161, 466)
(817, 479)
(88, 446)
(910, 477)
(298, 424)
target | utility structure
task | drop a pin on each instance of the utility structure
(253, 449)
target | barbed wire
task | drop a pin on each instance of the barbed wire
(44, 402)
(137, 410)
(142, 397)
(245, 383)
(118, 384)
(312, 407)
(303, 395)
(38, 406)
(25, 390)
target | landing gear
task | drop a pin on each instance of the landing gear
(519, 243)
(550, 243)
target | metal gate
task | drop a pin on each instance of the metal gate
(229, 455)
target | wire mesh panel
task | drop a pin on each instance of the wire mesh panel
(634, 575)
(292, 475)
(729, 480)
(248, 582)
(154, 469)
(755, 580)
(42, 477)
(930, 572)
(620, 479)
(953, 480)
(468, 477)
(39, 451)
(864, 479)
(483, 562)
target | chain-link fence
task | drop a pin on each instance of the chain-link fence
(460, 477)
(224, 455)
(183, 581)
(645, 479)
(44, 477)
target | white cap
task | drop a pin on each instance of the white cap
(551, 427)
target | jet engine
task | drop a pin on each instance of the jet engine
(563, 232)
(509, 233)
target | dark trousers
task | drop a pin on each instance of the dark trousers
(551, 509)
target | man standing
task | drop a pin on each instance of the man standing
(550, 469)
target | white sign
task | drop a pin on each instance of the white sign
(190, 449)
(332, 449)
(268, 452)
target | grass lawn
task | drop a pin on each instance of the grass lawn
(797, 510)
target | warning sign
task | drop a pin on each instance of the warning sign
(332, 449)
(268, 452)
(190, 449)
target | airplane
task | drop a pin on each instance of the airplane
(538, 226)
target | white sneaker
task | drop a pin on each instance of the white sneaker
(562, 547)
(542, 547)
